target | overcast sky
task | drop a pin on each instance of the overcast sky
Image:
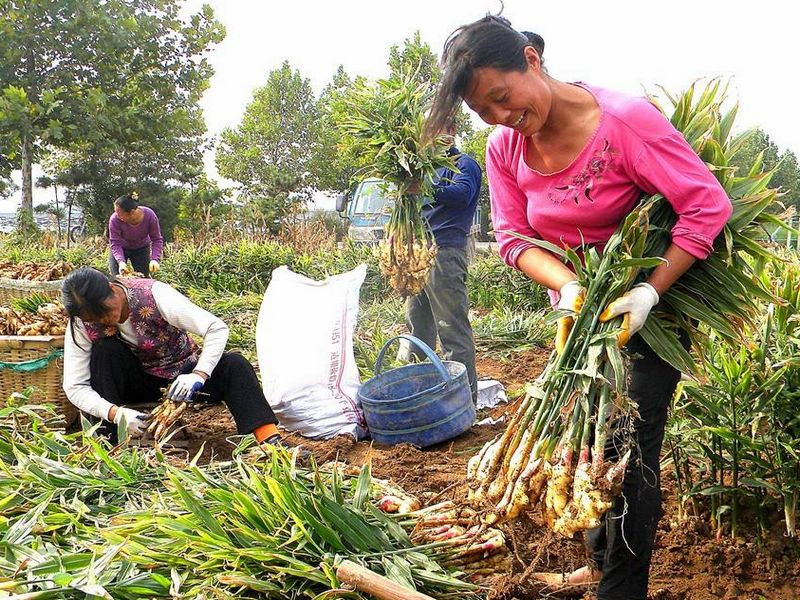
(625, 45)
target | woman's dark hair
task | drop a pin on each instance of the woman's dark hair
(537, 41)
(84, 294)
(127, 202)
(488, 42)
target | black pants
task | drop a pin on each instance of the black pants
(623, 545)
(442, 310)
(117, 376)
(139, 257)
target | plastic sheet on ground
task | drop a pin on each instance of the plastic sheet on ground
(490, 393)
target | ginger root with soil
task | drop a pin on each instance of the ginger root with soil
(406, 263)
(552, 454)
(48, 318)
(163, 417)
(31, 271)
(465, 544)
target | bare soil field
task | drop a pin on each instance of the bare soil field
(688, 564)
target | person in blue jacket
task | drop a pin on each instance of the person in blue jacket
(442, 308)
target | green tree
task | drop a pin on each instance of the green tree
(63, 175)
(99, 173)
(787, 174)
(787, 177)
(54, 208)
(417, 57)
(7, 187)
(164, 199)
(335, 162)
(203, 208)
(271, 152)
(127, 73)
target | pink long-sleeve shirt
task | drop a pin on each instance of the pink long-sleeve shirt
(123, 236)
(634, 150)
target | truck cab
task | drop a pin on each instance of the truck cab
(368, 210)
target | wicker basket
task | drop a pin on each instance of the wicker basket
(19, 288)
(18, 350)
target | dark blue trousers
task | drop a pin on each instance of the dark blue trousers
(441, 311)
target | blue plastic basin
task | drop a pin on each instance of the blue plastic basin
(421, 404)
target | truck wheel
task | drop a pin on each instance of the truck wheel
(77, 233)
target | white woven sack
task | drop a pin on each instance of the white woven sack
(304, 338)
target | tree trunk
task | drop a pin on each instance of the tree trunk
(69, 218)
(58, 216)
(27, 180)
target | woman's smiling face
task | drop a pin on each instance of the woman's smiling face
(520, 100)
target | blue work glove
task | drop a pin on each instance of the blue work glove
(184, 387)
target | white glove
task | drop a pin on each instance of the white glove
(135, 421)
(154, 267)
(571, 296)
(571, 299)
(124, 269)
(184, 387)
(635, 304)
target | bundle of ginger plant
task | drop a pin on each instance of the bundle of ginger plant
(387, 126)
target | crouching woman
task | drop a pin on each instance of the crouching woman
(127, 341)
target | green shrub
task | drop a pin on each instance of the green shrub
(229, 280)
(492, 284)
(503, 329)
(247, 266)
(244, 266)
(80, 256)
(349, 256)
(378, 322)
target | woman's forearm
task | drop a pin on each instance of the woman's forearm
(544, 268)
(547, 270)
(664, 275)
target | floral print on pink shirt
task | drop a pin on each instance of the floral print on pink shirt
(582, 184)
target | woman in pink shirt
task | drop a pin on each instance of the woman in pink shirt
(134, 233)
(566, 164)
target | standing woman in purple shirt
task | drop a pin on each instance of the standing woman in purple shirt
(134, 234)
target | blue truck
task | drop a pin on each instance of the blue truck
(368, 211)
